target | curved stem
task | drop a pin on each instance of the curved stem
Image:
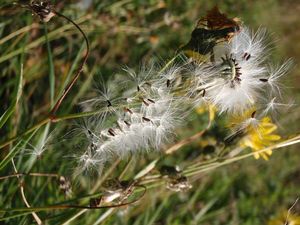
(35, 216)
(51, 117)
(80, 69)
(60, 207)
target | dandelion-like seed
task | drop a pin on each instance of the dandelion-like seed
(38, 149)
(273, 106)
(250, 46)
(170, 74)
(90, 161)
(275, 75)
(143, 79)
(107, 99)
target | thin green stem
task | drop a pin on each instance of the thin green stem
(57, 119)
(28, 131)
(51, 67)
(30, 174)
(156, 182)
(141, 188)
(196, 170)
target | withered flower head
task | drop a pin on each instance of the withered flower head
(43, 9)
(175, 180)
(179, 184)
(212, 29)
(65, 186)
(115, 189)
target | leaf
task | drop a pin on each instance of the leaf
(146, 170)
(205, 209)
(9, 156)
(12, 153)
(51, 67)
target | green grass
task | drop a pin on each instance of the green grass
(36, 63)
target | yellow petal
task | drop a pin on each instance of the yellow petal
(265, 156)
(212, 113)
(256, 155)
(272, 137)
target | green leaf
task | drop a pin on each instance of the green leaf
(12, 153)
(51, 67)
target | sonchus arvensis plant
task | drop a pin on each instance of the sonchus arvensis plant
(224, 70)
(225, 65)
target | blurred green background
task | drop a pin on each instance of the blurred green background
(126, 33)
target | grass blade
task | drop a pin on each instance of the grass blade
(51, 68)
(16, 98)
(13, 152)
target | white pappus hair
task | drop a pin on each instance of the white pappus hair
(238, 78)
(138, 128)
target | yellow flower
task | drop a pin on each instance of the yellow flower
(210, 108)
(257, 134)
(201, 109)
(285, 218)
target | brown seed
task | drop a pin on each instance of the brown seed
(264, 80)
(111, 132)
(150, 100)
(128, 110)
(146, 119)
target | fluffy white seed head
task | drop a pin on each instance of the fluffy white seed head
(146, 122)
(237, 79)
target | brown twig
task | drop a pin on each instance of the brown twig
(45, 11)
(188, 140)
(52, 117)
(60, 207)
(35, 216)
(184, 142)
(29, 174)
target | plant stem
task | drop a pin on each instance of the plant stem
(28, 131)
(35, 216)
(30, 174)
(76, 76)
